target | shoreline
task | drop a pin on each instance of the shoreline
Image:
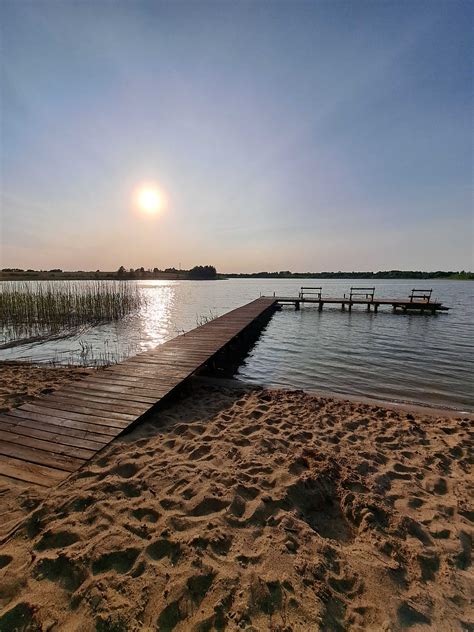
(424, 409)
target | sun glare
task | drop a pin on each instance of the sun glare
(149, 199)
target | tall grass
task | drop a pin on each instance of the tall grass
(37, 311)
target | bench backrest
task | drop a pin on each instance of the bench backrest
(312, 292)
(366, 292)
(424, 295)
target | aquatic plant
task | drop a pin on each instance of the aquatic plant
(203, 319)
(37, 311)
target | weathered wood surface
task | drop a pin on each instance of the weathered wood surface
(43, 441)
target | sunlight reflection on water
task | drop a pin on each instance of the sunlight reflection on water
(156, 314)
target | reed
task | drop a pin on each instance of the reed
(33, 312)
(203, 319)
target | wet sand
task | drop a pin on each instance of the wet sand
(240, 508)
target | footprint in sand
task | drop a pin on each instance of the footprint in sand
(56, 540)
(415, 529)
(20, 617)
(118, 561)
(198, 586)
(429, 565)
(145, 514)
(5, 560)
(400, 467)
(436, 485)
(237, 506)
(415, 503)
(130, 490)
(221, 543)
(464, 558)
(199, 452)
(61, 570)
(409, 616)
(124, 470)
(348, 585)
(208, 506)
(77, 505)
(169, 503)
(164, 548)
(248, 430)
(248, 560)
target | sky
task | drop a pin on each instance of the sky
(304, 136)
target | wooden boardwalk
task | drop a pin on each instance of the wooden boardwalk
(44, 441)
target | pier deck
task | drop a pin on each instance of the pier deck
(44, 441)
(405, 305)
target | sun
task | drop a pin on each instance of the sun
(149, 199)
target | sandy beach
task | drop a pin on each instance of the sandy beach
(240, 508)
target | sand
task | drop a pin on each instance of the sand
(21, 381)
(250, 509)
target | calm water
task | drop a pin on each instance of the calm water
(424, 359)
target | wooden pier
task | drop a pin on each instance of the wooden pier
(418, 301)
(44, 441)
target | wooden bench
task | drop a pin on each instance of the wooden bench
(366, 292)
(311, 292)
(424, 295)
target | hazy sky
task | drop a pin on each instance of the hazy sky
(325, 135)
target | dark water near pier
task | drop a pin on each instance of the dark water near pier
(416, 358)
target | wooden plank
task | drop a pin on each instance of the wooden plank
(67, 414)
(148, 375)
(103, 403)
(205, 340)
(67, 405)
(149, 380)
(55, 437)
(58, 426)
(172, 352)
(40, 457)
(31, 472)
(154, 366)
(53, 417)
(185, 355)
(97, 393)
(121, 387)
(161, 366)
(41, 444)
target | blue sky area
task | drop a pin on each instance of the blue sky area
(284, 135)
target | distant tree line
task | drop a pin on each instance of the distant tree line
(196, 273)
(209, 272)
(386, 274)
(29, 270)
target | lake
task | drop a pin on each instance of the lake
(407, 358)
